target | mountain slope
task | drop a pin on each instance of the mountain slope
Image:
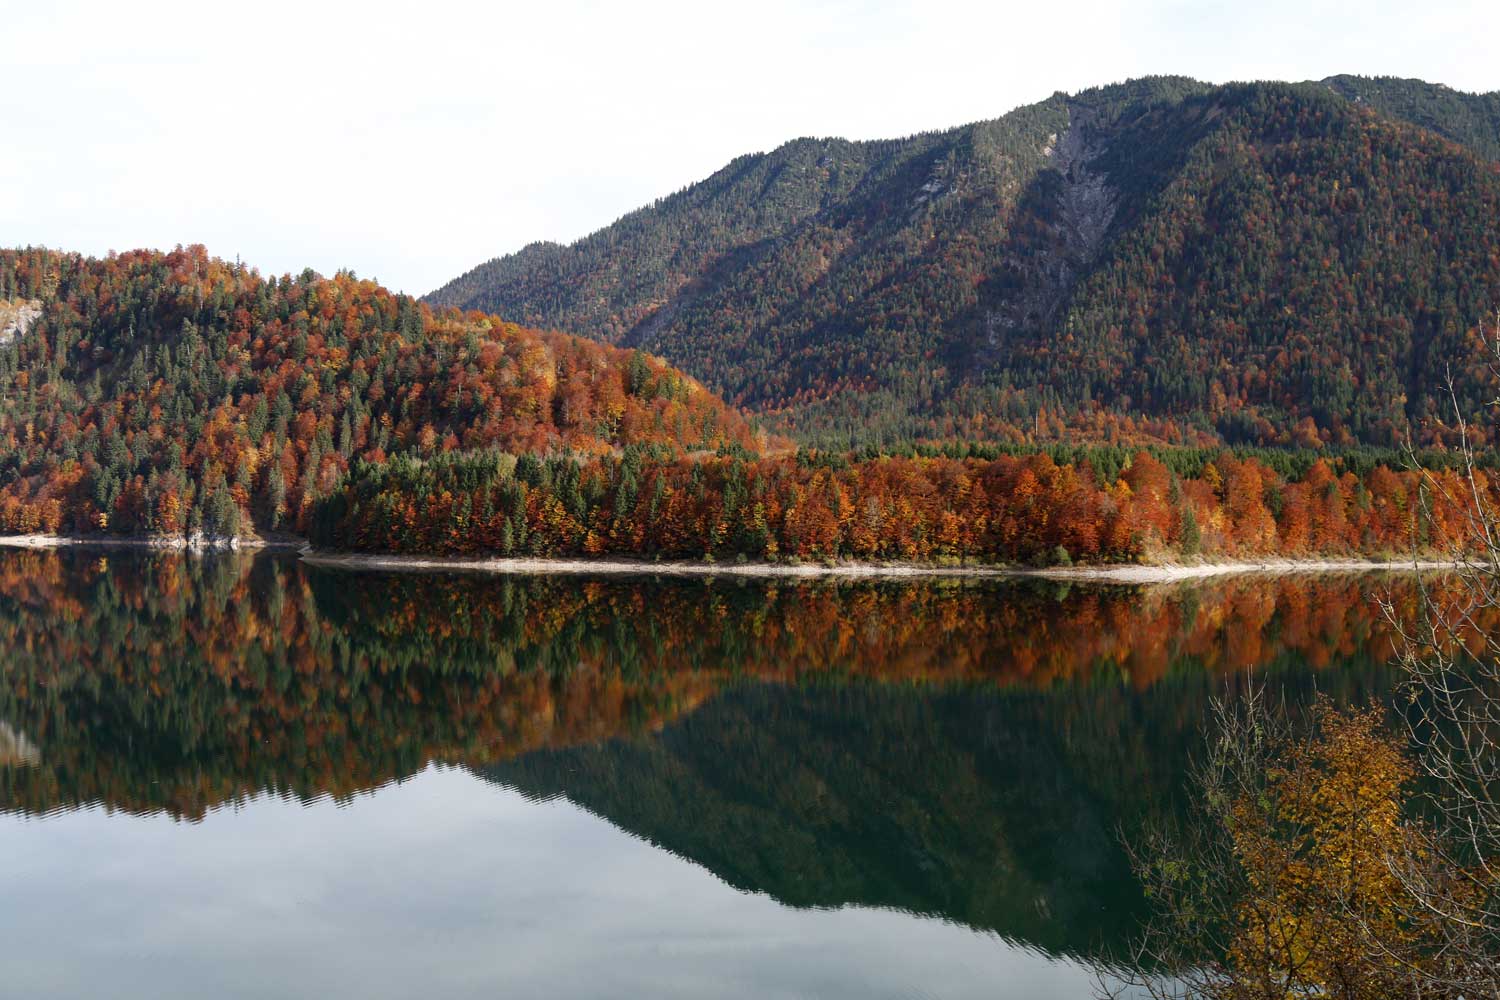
(1472, 120)
(173, 393)
(1269, 263)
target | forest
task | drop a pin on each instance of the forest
(1471, 120)
(176, 394)
(1155, 261)
(1012, 508)
(180, 396)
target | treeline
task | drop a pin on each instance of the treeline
(1010, 508)
(177, 393)
(1108, 461)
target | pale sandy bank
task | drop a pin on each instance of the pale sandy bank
(1104, 574)
(1171, 573)
(173, 544)
(1161, 573)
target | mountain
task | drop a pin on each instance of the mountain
(1161, 259)
(1471, 120)
(176, 393)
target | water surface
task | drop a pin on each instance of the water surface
(242, 776)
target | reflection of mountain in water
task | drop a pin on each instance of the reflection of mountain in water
(960, 749)
(998, 810)
(957, 805)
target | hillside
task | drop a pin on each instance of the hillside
(1471, 120)
(177, 393)
(1157, 260)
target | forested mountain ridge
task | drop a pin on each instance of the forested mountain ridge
(176, 393)
(1472, 120)
(1162, 259)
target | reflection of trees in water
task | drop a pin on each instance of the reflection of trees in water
(173, 684)
(15, 749)
(162, 682)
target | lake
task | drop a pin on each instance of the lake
(241, 776)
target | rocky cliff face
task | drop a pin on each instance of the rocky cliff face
(1079, 204)
(16, 317)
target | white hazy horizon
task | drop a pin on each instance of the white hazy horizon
(413, 142)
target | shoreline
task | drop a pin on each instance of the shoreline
(160, 544)
(1133, 573)
(1124, 574)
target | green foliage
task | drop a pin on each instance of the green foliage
(1472, 120)
(162, 393)
(1159, 260)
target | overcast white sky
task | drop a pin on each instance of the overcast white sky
(412, 141)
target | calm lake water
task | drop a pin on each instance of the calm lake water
(244, 777)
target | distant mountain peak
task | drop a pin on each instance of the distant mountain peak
(1157, 258)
